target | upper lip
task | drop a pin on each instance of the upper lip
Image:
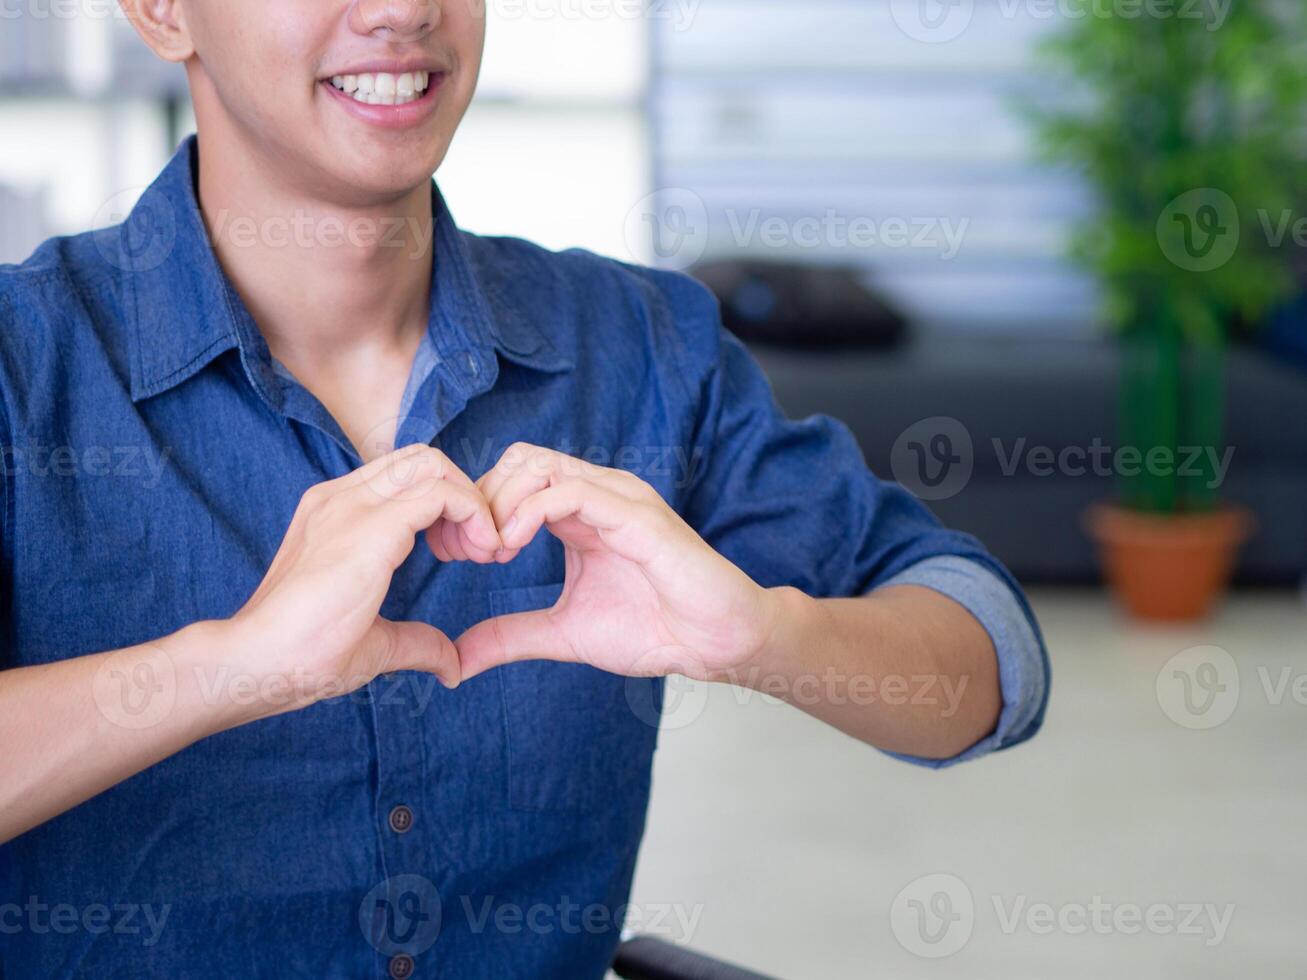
(391, 66)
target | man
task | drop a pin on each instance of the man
(229, 421)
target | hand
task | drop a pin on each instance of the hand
(644, 595)
(316, 614)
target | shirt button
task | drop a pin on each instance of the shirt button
(401, 819)
(401, 967)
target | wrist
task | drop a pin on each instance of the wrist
(789, 616)
(228, 678)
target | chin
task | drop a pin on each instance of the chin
(382, 175)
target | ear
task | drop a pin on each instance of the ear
(162, 25)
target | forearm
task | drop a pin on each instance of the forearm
(73, 728)
(905, 668)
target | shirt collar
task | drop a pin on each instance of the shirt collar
(178, 301)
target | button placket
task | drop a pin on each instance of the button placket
(402, 772)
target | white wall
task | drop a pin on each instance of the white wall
(866, 112)
(554, 148)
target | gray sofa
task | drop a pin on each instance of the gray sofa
(1057, 394)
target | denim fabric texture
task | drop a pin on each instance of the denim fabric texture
(154, 456)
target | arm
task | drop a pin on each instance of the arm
(903, 668)
(792, 503)
(73, 728)
(646, 596)
(740, 575)
(945, 698)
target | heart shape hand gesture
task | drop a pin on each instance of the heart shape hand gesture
(644, 594)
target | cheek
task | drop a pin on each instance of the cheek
(287, 52)
(262, 59)
(464, 36)
(463, 31)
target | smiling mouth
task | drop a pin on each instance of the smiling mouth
(383, 88)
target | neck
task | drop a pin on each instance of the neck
(325, 282)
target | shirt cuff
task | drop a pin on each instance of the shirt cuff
(1020, 651)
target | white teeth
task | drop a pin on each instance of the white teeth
(383, 88)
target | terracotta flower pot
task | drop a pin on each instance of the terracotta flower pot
(1168, 567)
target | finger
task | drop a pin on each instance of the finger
(507, 639)
(419, 646)
(522, 470)
(418, 508)
(632, 530)
(398, 461)
(436, 544)
(467, 529)
(449, 540)
(458, 476)
(451, 535)
(525, 468)
(389, 488)
(407, 471)
(517, 460)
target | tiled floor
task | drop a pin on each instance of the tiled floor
(1113, 845)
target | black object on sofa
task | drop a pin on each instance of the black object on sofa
(801, 306)
(1013, 396)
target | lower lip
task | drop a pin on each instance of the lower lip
(390, 116)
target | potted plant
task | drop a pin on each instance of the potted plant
(1188, 130)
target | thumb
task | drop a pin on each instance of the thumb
(505, 639)
(419, 646)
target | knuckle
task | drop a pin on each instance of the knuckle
(312, 498)
(525, 457)
(543, 462)
(636, 483)
(422, 464)
(436, 457)
(586, 468)
(516, 455)
(658, 515)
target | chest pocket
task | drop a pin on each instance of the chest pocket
(579, 739)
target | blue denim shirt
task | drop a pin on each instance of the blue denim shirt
(154, 454)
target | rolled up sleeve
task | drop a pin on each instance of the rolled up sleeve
(1021, 655)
